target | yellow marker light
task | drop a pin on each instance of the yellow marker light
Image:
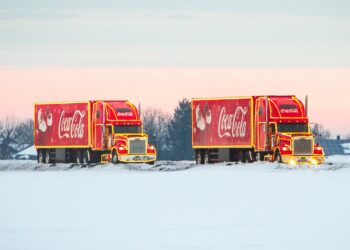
(292, 162)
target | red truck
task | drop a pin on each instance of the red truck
(246, 129)
(90, 131)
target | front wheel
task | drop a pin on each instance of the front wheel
(278, 157)
(115, 157)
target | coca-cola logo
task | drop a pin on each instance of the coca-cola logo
(71, 126)
(288, 111)
(120, 114)
(234, 124)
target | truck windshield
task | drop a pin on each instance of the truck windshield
(127, 129)
(292, 128)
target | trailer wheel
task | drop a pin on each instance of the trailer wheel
(47, 156)
(86, 157)
(115, 157)
(206, 159)
(259, 157)
(78, 157)
(40, 156)
(241, 157)
(199, 157)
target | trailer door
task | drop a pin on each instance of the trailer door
(260, 119)
(98, 125)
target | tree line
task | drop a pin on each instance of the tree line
(171, 135)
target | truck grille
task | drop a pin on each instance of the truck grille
(137, 146)
(303, 146)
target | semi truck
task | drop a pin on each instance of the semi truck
(246, 129)
(91, 131)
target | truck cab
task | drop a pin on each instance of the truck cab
(118, 131)
(283, 131)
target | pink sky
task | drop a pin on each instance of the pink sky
(328, 89)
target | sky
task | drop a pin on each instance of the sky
(157, 52)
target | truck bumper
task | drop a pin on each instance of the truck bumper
(137, 158)
(303, 160)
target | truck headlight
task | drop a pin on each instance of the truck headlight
(314, 161)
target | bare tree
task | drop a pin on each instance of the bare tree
(8, 136)
(321, 132)
(24, 132)
(155, 123)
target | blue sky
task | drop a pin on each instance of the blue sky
(175, 33)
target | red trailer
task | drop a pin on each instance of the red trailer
(91, 131)
(253, 128)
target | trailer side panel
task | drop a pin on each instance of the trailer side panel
(222, 123)
(62, 125)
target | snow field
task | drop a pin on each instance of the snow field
(221, 206)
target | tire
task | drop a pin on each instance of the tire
(259, 157)
(199, 157)
(78, 157)
(114, 159)
(249, 156)
(86, 157)
(206, 158)
(241, 157)
(40, 156)
(47, 157)
(278, 157)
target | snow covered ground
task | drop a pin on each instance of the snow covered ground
(175, 205)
